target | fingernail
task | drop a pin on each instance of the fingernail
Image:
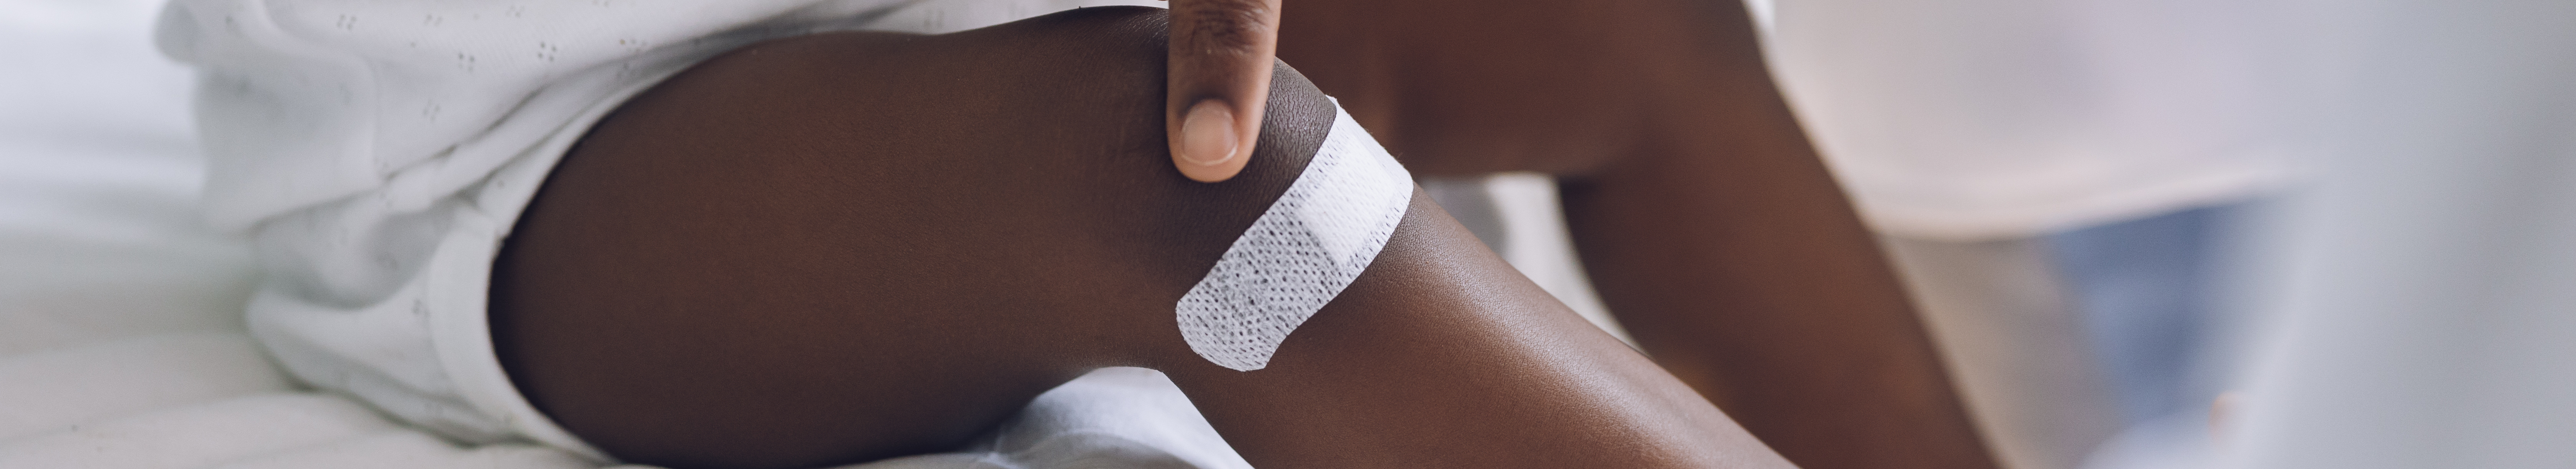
(1207, 134)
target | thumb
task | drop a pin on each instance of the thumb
(1221, 51)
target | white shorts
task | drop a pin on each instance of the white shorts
(378, 153)
(424, 353)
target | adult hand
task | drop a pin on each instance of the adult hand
(1221, 51)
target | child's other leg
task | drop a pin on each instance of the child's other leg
(1701, 213)
(853, 246)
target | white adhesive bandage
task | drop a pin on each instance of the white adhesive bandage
(1301, 253)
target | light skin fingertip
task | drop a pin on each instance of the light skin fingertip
(1209, 147)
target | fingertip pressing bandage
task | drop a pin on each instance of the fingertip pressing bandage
(1302, 252)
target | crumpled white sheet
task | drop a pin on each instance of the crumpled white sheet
(121, 341)
(212, 400)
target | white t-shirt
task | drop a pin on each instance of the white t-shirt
(2011, 118)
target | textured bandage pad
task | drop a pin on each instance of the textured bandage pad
(1303, 251)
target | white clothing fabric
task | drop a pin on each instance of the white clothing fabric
(376, 153)
(1985, 119)
(2423, 298)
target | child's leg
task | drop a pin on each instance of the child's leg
(853, 246)
(1706, 221)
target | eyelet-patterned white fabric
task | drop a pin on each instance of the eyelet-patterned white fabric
(1302, 252)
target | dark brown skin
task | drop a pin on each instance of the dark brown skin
(1703, 216)
(773, 261)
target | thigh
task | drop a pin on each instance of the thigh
(851, 246)
(846, 247)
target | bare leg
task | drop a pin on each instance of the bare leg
(1705, 219)
(851, 246)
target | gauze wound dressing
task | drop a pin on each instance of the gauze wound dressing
(1302, 252)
